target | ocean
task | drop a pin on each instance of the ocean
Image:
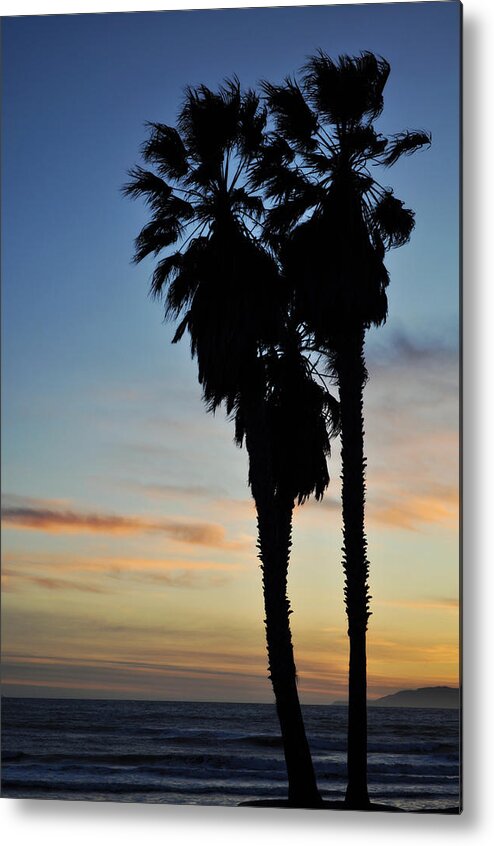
(212, 753)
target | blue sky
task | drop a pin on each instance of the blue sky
(101, 413)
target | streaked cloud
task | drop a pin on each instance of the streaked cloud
(426, 604)
(110, 565)
(22, 571)
(400, 349)
(81, 631)
(159, 491)
(12, 581)
(412, 437)
(61, 521)
(391, 506)
(238, 675)
(402, 510)
(15, 501)
(407, 652)
(240, 678)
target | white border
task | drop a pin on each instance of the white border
(45, 7)
(77, 823)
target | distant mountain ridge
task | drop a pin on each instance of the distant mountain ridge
(422, 697)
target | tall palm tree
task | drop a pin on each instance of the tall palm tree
(337, 222)
(225, 289)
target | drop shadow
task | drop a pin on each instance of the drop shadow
(472, 389)
(195, 819)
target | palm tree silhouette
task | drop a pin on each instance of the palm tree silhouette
(226, 290)
(333, 222)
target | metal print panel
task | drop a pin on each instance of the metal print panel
(273, 430)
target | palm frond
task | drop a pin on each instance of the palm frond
(281, 219)
(363, 139)
(279, 182)
(145, 183)
(242, 201)
(298, 411)
(293, 117)
(251, 124)
(276, 150)
(264, 169)
(203, 175)
(156, 236)
(392, 220)
(164, 272)
(158, 195)
(363, 183)
(320, 164)
(186, 272)
(404, 144)
(181, 328)
(349, 90)
(166, 150)
(209, 122)
(333, 416)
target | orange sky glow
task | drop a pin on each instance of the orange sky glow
(162, 597)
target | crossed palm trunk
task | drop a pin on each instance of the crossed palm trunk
(287, 432)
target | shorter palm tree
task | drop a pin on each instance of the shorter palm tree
(226, 292)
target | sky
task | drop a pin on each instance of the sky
(129, 564)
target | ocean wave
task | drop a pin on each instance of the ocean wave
(213, 753)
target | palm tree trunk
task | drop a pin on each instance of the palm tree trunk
(274, 520)
(352, 376)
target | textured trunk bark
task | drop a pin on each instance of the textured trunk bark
(274, 520)
(352, 375)
(274, 544)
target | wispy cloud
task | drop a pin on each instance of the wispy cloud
(13, 580)
(159, 491)
(399, 349)
(186, 579)
(392, 506)
(58, 521)
(329, 502)
(413, 390)
(229, 679)
(110, 565)
(412, 439)
(15, 501)
(23, 571)
(17, 580)
(407, 510)
(425, 604)
(403, 651)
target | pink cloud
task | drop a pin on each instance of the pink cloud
(63, 521)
